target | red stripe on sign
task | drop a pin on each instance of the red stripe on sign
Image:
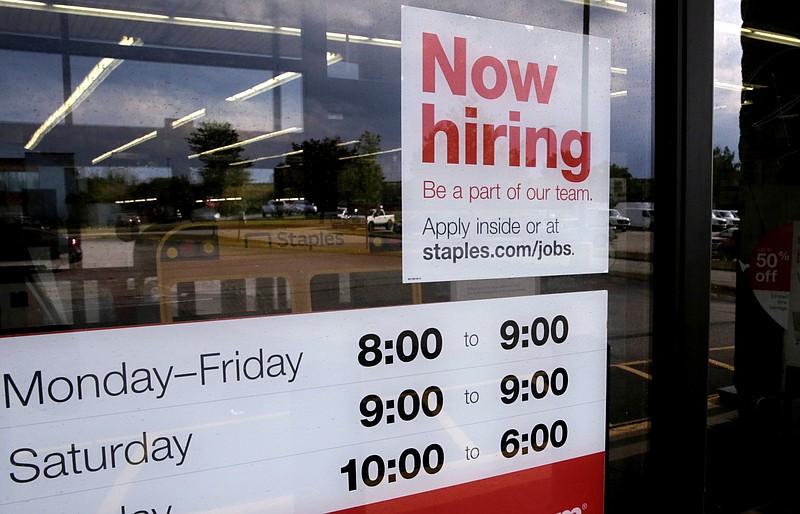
(572, 486)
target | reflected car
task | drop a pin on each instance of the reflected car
(300, 207)
(725, 244)
(727, 215)
(21, 234)
(617, 221)
(127, 219)
(718, 222)
(205, 214)
(273, 208)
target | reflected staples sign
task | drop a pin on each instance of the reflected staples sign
(480, 406)
(505, 133)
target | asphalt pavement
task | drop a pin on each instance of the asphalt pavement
(631, 253)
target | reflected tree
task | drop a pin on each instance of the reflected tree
(175, 195)
(331, 173)
(636, 189)
(727, 178)
(213, 141)
(361, 178)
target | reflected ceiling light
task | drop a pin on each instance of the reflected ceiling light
(231, 25)
(97, 75)
(727, 28)
(138, 200)
(369, 154)
(296, 152)
(265, 86)
(108, 13)
(619, 71)
(619, 94)
(730, 86)
(352, 38)
(228, 199)
(211, 23)
(257, 159)
(124, 147)
(248, 141)
(151, 17)
(189, 117)
(279, 80)
(603, 4)
(22, 3)
(772, 37)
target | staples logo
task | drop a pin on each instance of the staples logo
(576, 510)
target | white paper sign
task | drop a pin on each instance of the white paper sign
(505, 149)
(307, 413)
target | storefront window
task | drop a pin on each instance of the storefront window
(752, 379)
(226, 183)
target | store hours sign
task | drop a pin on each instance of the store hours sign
(480, 406)
(505, 149)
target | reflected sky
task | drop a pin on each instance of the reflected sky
(139, 96)
(727, 74)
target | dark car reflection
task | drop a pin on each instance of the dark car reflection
(27, 239)
(725, 243)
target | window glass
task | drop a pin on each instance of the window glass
(753, 332)
(186, 161)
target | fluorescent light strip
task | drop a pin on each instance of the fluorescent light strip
(369, 154)
(230, 25)
(619, 71)
(248, 141)
(97, 75)
(190, 22)
(189, 117)
(124, 147)
(138, 200)
(727, 28)
(257, 159)
(730, 86)
(229, 199)
(604, 4)
(618, 94)
(22, 3)
(354, 141)
(108, 13)
(283, 78)
(151, 17)
(772, 37)
(352, 38)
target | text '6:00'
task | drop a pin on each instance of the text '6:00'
(513, 443)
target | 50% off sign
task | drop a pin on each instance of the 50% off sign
(770, 272)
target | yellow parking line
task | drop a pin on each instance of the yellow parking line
(635, 371)
(721, 364)
(631, 427)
